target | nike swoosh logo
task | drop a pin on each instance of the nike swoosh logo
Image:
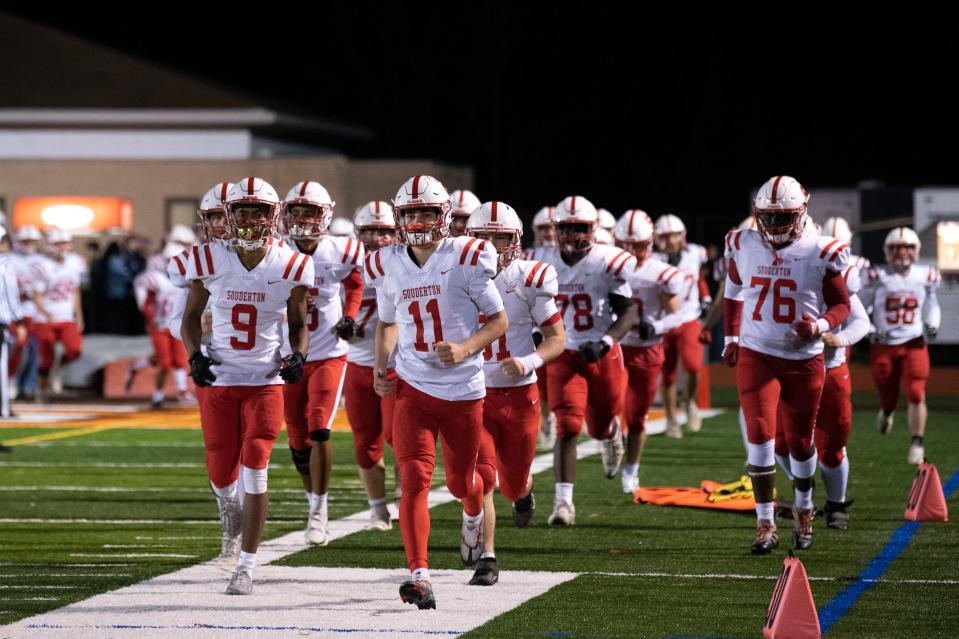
(273, 281)
(330, 268)
(446, 271)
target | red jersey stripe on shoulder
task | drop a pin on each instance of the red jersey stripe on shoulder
(666, 271)
(369, 267)
(729, 240)
(356, 253)
(827, 248)
(542, 277)
(533, 272)
(289, 265)
(466, 250)
(346, 251)
(209, 258)
(738, 235)
(672, 274)
(614, 261)
(196, 260)
(379, 264)
(299, 271)
(837, 252)
(179, 264)
(478, 252)
(625, 261)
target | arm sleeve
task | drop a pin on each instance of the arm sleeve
(857, 326)
(931, 313)
(704, 293)
(836, 298)
(353, 290)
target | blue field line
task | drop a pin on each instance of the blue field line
(869, 577)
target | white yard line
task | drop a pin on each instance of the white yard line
(132, 555)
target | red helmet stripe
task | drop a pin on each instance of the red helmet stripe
(632, 216)
(572, 204)
(549, 212)
(306, 183)
(776, 188)
(493, 211)
(416, 187)
(223, 189)
(249, 185)
(376, 207)
(462, 195)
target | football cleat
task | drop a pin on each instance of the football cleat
(612, 450)
(523, 510)
(471, 542)
(802, 528)
(487, 572)
(767, 538)
(630, 483)
(418, 592)
(241, 583)
(380, 520)
(564, 514)
(836, 515)
(317, 532)
(884, 422)
(917, 454)
(229, 550)
(693, 421)
(673, 429)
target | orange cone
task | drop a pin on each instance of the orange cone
(792, 611)
(926, 499)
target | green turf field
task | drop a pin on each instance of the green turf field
(144, 508)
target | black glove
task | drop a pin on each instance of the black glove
(704, 307)
(200, 369)
(345, 328)
(932, 332)
(292, 370)
(593, 351)
(646, 331)
(537, 339)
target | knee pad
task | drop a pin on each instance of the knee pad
(321, 435)
(254, 480)
(301, 459)
(761, 455)
(803, 469)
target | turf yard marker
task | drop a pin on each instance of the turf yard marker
(927, 502)
(792, 611)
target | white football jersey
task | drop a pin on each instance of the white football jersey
(165, 295)
(334, 259)
(648, 283)
(362, 348)
(60, 285)
(528, 290)
(440, 301)
(249, 307)
(778, 287)
(901, 303)
(690, 260)
(837, 356)
(585, 287)
(30, 275)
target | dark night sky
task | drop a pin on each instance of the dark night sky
(684, 114)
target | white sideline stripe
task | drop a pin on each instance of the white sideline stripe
(23, 587)
(100, 465)
(103, 575)
(132, 555)
(30, 598)
(198, 538)
(184, 522)
(80, 444)
(64, 565)
(673, 575)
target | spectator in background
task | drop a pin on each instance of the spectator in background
(12, 330)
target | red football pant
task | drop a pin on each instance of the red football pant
(511, 424)
(310, 404)
(170, 352)
(418, 419)
(370, 416)
(578, 390)
(834, 422)
(890, 363)
(682, 344)
(49, 334)
(17, 353)
(774, 389)
(542, 381)
(240, 424)
(643, 365)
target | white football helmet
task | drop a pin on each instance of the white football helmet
(606, 220)
(463, 203)
(576, 220)
(342, 227)
(498, 218)
(544, 233)
(212, 214)
(250, 229)
(602, 236)
(422, 192)
(838, 228)
(634, 233)
(182, 234)
(375, 225)
(902, 247)
(28, 238)
(59, 236)
(667, 226)
(779, 208)
(313, 211)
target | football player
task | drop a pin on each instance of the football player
(463, 203)
(784, 290)
(430, 291)
(250, 286)
(28, 264)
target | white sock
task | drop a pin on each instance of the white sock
(179, 378)
(227, 492)
(836, 479)
(318, 502)
(803, 499)
(377, 503)
(488, 555)
(309, 498)
(247, 561)
(742, 428)
(564, 492)
(158, 395)
(420, 574)
(764, 511)
(784, 464)
(631, 470)
(472, 520)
